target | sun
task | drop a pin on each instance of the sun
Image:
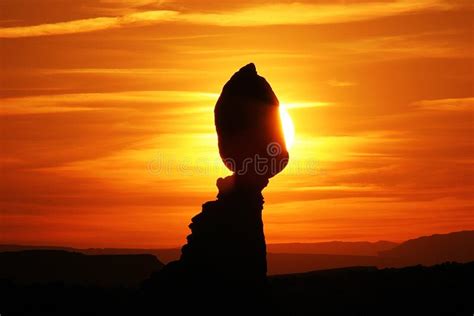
(288, 126)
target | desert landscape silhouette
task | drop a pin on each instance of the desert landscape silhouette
(427, 275)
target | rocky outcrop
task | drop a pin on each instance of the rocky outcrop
(227, 242)
(226, 248)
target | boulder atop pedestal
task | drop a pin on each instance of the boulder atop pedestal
(248, 124)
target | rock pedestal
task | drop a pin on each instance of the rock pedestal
(226, 248)
(227, 242)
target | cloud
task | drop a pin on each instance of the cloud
(296, 13)
(88, 25)
(306, 104)
(263, 15)
(340, 83)
(119, 100)
(452, 104)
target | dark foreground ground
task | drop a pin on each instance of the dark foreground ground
(446, 289)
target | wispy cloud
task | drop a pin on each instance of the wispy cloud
(340, 83)
(452, 104)
(306, 104)
(120, 100)
(273, 14)
(89, 25)
(297, 13)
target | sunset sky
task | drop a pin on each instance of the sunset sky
(107, 136)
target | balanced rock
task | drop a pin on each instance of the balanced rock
(248, 124)
(226, 250)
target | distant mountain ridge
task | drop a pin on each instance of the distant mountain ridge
(301, 257)
(165, 255)
(434, 249)
(288, 263)
(356, 248)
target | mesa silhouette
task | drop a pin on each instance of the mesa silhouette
(49, 266)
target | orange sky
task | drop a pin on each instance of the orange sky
(106, 117)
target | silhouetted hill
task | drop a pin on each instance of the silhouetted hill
(46, 266)
(417, 290)
(282, 263)
(360, 248)
(439, 290)
(164, 255)
(430, 250)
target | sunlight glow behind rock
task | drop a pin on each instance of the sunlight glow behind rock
(288, 126)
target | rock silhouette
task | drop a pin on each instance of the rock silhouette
(248, 125)
(226, 248)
